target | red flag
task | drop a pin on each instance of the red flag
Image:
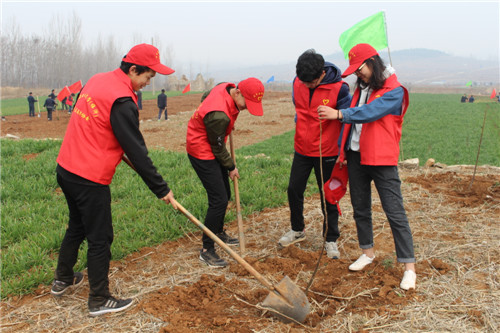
(493, 93)
(76, 87)
(188, 88)
(63, 94)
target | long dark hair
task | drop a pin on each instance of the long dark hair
(377, 80)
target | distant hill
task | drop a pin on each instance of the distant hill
(423, 67)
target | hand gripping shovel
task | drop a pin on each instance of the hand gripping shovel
(286, 300)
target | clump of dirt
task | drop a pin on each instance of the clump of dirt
(485, 190)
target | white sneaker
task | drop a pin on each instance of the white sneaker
(409, 279)
(292, 237)
(362, 261)
(332, 251)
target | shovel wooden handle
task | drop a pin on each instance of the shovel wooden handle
(241, 234)
(226, 248)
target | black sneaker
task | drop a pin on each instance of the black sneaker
(60, 287)
(110, 305)
(212, 259)
(228, 239)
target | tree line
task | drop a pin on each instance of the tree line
(58, 57)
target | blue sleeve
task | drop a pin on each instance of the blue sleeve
(390, 103)
(344, 97)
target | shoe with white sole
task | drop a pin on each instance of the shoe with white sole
(110, 305)
(332, 251)
(292, 237)
(361, 263)
(409, 279)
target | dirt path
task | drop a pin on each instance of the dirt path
(455, 234)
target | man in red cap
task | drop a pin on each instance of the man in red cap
(104, 126)
(207, 134)
(370, 146)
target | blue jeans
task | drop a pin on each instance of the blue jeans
(299, 174)
(388, 186)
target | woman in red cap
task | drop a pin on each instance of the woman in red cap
(370, 146)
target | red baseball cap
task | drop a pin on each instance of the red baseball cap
(357, 55)
(336, 186)
(253, 92)
(149, 56)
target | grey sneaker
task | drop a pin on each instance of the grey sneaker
(212, 259)
(60, 287)
(332, 251)
(110, 305)
(292, 237)
(228, 239)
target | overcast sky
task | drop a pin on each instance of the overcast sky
(208, 33)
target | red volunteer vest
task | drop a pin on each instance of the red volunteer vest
(90, 149)
(379, 140)
(307, 128)
(197, 144)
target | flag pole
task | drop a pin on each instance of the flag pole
(387, 37)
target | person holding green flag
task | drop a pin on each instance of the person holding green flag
(370, 147)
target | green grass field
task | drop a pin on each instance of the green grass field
(34, 211)
(13, 106)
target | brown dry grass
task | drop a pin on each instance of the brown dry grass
(456, 243)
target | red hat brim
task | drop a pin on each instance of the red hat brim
(254, 108)
(162, 69)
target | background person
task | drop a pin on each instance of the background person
(370, 142)
(162, 104)
(31, 104)
(70, 103)
(317, 83)
(464, 99)
(207, 133)
(139, 99)
(471, 99)
(50, 104)
(84, 175)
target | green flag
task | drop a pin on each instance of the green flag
(371, 30)
(468, 84)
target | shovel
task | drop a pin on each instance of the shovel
(241, 235)
(286, 300)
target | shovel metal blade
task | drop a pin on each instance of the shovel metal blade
(287, 302)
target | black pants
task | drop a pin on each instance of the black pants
(215, 179)
(49, 113)
(160, 111)
(301, 170)
(89, 218)
(32, 110)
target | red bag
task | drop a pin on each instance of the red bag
(336, 186)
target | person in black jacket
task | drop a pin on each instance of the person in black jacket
(84, 174)
(50, 104)
(31, 103)
(162, 104)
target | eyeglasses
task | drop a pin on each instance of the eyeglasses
(358, 71)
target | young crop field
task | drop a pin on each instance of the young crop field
(453, 212)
